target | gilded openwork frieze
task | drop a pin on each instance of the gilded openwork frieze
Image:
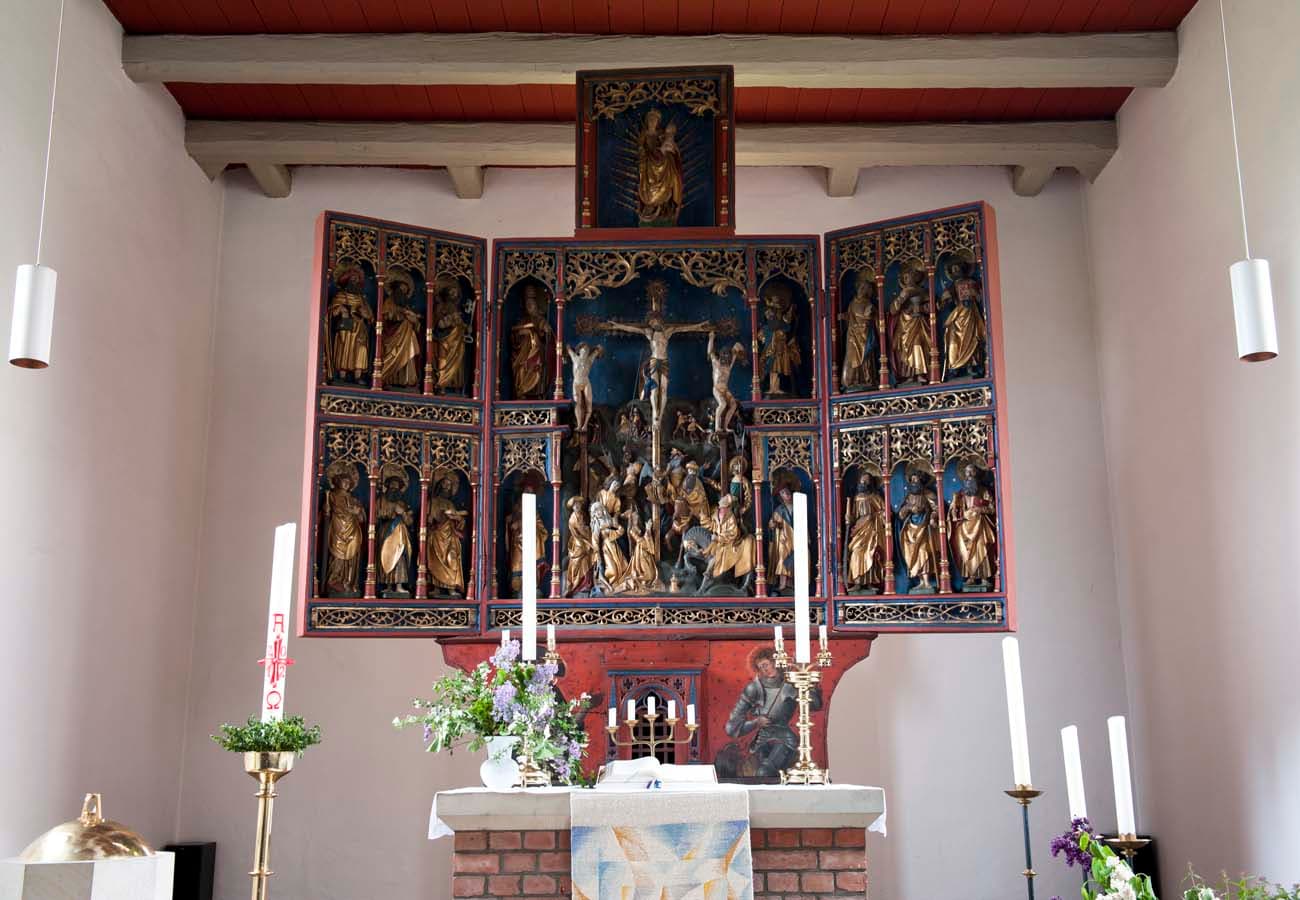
(654, 615)
(718, 269)
(402, 446)
(349, 443)
(456, 261)
(912, 442)
(791, 451)
(612, 98)
(858, 254)
(885, 613)
(966, 437)
(861, 447)
(792, 262)
(904, 243)
(352, 405)
(523, 418)
(409, 251)
(523, 454)
(372, 617)
(912, 404)
(786, 415)
(956, 233)
(355, 243)
(536, 264)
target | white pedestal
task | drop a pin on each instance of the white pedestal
(143, 878)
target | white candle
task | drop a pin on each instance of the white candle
(505, 636)
(672, 709)
(778, 639)
(1125, 820)
(802, 644)
(529, 512)
(613, 717)
(690, 713)
(1016, 712)
(631, 709)
(276, 662)
(1073, 772)
(821, 636)
(550, 637)
(650, 704)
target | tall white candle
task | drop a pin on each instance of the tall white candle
(1016, 712)
(1073, 772)
(672, 709)
(650, 704)
(690, 713)
(505, 636)
(778, 639)
(1125, 820)
(529, 581)
(550, 636)
(802, 643)
(276, 662)
(631, 709)
(821, 636)
(613, 717)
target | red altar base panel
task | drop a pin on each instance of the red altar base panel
(789, 863)
(712, 672)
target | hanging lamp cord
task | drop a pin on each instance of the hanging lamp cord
(49, 137)
(1232, 114)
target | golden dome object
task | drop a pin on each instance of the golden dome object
(89, 836)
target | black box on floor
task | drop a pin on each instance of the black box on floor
(195, 870)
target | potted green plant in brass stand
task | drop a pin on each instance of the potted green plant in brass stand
(269, 749)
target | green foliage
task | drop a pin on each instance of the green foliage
(1111, 876)
(1245, 887)
(255, 736)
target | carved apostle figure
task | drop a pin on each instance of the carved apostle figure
(349, 319)
(781, 356)
(859, 334)
(583, 357)
(918, 535)
(964, 331)
(974, 537)
(395, 546)
(911, 328)
(866, 528)
(644, 573)
(580, 551)
(659, 169)
(515, 542)
(450, 339)
(445, 555)
(725, 403)
(528, 340)
(731, 552)
(345, 531)
(402, 338)
(780, 555)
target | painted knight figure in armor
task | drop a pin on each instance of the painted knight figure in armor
(345, 531)
(529, 338)
(964, 331)
(974, 537)
(349, 317)
(918, 535)
(781, 356)
(402, 337)
(396, 548)
(450, 340)
(660, 189)
(763, 712)
(911, 336)
(866, 528)
(446, 536)
(860, 335)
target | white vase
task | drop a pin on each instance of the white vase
(499, 771)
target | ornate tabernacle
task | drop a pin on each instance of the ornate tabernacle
(665, 397)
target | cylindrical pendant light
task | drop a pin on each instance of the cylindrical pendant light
(32, 325)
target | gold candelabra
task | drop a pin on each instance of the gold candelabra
(653, 742)
(1127, 844)
(267, 768)
(804, 677)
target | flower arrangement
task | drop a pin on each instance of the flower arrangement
(1248, 887)
(1107, 877)
(503, 697)
(290, 735)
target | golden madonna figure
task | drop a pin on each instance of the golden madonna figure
(395, 518)
(401, 332)
(446, 535)
(865, 526)
(919, 535)
(450, 338)
(528, 339)
(348, 317)
(974, 538)
(911, 327)
(345, 530)
(659, 172)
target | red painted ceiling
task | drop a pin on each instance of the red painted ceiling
(556, 102)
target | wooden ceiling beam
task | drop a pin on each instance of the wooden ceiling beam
(1135, 59)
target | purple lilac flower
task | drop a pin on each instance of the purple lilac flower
(428, 732)
(1068, 843)
(505, 655)
(503, 703)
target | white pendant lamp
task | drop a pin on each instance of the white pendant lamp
(32, 325)
(1252, 288)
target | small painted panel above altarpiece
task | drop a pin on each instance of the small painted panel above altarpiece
(656, 150)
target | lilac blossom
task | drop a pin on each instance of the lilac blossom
(503, 703)
(505, 655)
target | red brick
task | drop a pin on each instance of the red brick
(850, 837)
(539, 840)
(553, 862)
(519, 862)
(505, 840)
(503, 885)
(758, 883)
(817, 882)
(818, 837)
(787, 859)
(562, 840)
(471, 840)
(466, 885)
(842, 859)
(476, 863)
(783, 837)
(782, 881)
(851, 881)
(539, 884)
(757, 838)
(564, 885)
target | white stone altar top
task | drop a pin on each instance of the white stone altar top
(770, 806)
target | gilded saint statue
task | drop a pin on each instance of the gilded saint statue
(644, 563)
(583, 357)
(866, 528)
(725, 403)
(613, 571)
(402, 336)
(780, 552)
(660, 189)
(911, 328)
(580, 555)
(860, 334)
(345, 531)
(731, 550)
(528, 341)
(349, 317)
(740, 489)
(445, 554)
(515, 541)
(918, 535)
(781, 356)
(964, 331)
(396, 548)
(974, 537)
(450, 339)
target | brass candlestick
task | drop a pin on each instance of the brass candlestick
(654, 743)
(1127, 844)
(1024, 795)
(804, 677)
(267, 768)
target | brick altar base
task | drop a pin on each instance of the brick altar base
(789, 864)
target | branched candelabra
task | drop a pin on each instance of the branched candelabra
(652, 741)
(804, 677)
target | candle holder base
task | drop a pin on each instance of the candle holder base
(1127, 844)
(798, 774)
(1025, 794)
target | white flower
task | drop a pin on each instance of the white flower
(1121, 872)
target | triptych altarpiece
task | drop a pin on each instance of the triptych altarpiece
(664, 387)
